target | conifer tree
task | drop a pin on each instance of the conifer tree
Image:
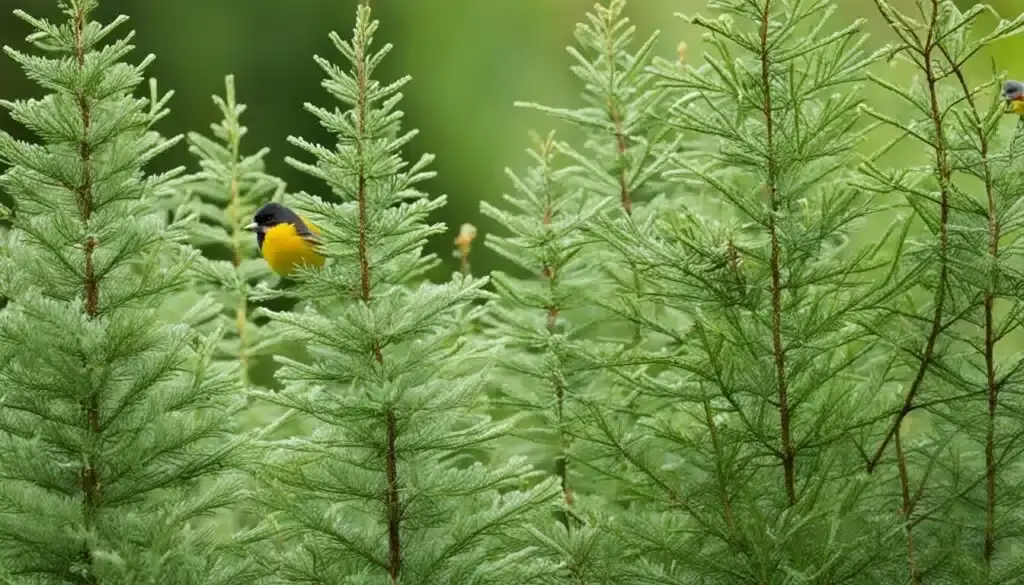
(541, 320)
(224, 195)
(951, 433)
(383, 488)
(741, 469)
(557, 312)
(624, 148)
(114, 425)
(223, 294)
(227, 191)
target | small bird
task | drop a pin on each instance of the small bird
(1013, 94)
(285, 239)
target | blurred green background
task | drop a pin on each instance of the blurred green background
(469, 59)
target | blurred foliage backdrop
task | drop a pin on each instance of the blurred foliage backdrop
(469, 59)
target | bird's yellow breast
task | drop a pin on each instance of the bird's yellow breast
(284, 249)
(1018, 107)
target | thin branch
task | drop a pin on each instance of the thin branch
(992, 383)
(906, 510)
(944, 171)
(625, 198)
(720, 470)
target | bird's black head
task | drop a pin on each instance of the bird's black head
(270, 215)
(1013, 90)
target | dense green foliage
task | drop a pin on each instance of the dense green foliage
(698, 369)
(116, 423)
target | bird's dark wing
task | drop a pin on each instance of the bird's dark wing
(311, 237)
(304, 232)
(300, 227)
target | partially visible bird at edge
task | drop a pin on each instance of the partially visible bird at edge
(285, 239)
(1013, 95)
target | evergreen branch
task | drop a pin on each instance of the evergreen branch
(231, 187)
(971, 279)
(989, 306)
(364, 261)
(610, 18)
(552, 272)
(720, 469)
(501, 518)
(753, 305)
(971, 486)
(233, 210)
(623, 105)
(945, 177)
(548, 241)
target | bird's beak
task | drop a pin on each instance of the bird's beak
(251, 227)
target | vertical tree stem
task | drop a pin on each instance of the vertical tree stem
(242, 310)
(788, 451)
(90, 480)
(393, 499)
(562, 459)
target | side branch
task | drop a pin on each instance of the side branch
(945, 178)
(625, 198)
(992, 382)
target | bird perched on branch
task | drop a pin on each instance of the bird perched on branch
(286, 239)
(1013, 94)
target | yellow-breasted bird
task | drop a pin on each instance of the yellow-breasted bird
(285, 238)
(1013, 93)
